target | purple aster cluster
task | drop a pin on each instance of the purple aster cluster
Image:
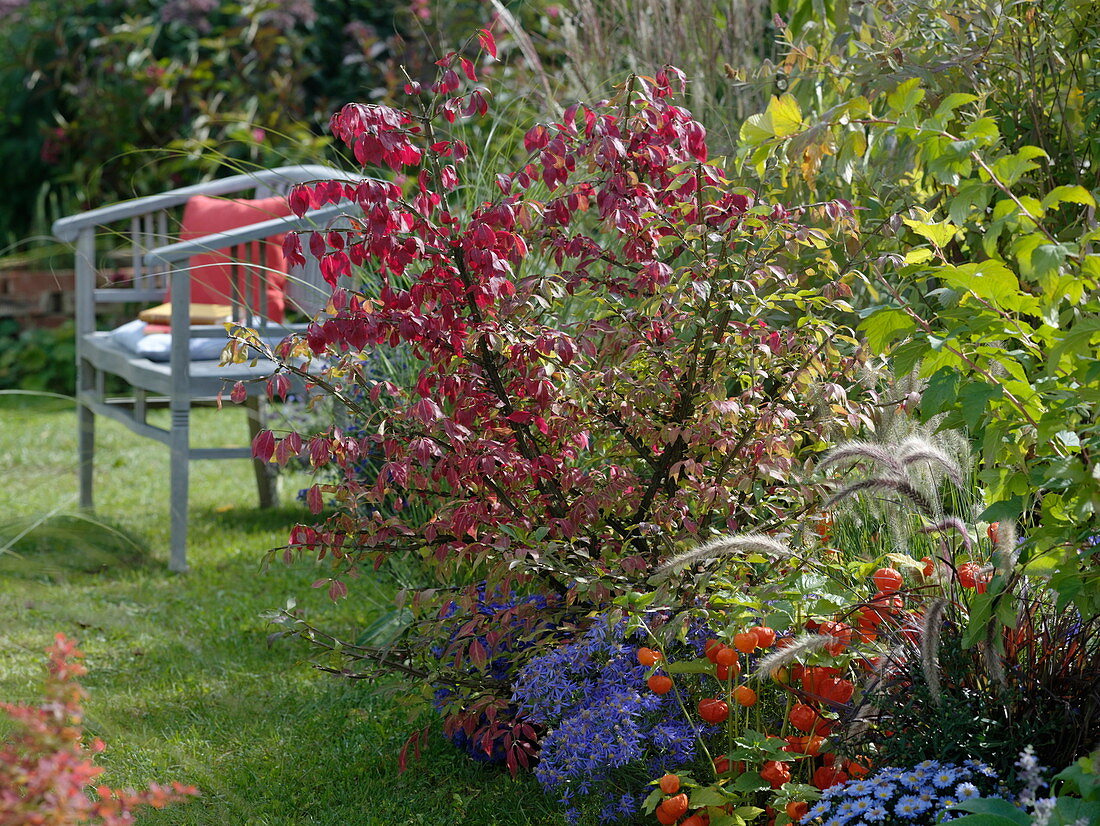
(918, 796)
(606, 734)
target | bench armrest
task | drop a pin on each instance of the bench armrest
(183, 250)
(67, 229)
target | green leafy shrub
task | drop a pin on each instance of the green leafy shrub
(976, 267)
(38, 359)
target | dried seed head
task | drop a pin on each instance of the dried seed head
(929, 633)
(723, 546)
(805, 644)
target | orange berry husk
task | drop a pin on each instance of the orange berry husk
(727, 656)
(712, 648)
(856, 770)
(670, 784)
(888, 580)
(675, 806)
(713, 710)
(765, 637)
(796, 810)
(659, 684)
(745, 643)
(744, 695)
(664, 818)
(775, 773)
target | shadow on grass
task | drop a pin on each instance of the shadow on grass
(59, 546)
(251, 519)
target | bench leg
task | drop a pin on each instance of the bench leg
(179, 448)
(85, 419)
(267, 475)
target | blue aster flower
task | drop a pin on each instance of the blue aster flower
(846, 809)
(910, 780)
(944, 777)
(816, 811)
(861, 805)
(875, 814)
(908, 807)
(966, 791)
(859, 788)
(603, 724)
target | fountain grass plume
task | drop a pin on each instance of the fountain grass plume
(720, 547)
(952, 523)
(805, 644)
(884, 483)
(853, 452)
(915, 449)
(929, 632)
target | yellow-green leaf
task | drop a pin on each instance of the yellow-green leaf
(906, 96)
(885, 326)
(1071, 194)
(782, 118)
(939, 233)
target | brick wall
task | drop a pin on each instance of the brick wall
(36, 298)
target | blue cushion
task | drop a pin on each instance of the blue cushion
(158, 346)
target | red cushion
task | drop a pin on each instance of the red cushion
(212, 272)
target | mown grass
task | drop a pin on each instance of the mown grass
(183, 683)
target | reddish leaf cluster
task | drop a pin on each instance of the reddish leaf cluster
(46, 771)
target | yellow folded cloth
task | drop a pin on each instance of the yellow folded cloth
(200, 314)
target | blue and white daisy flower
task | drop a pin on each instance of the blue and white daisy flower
(861, 805)
(885, 791)
(944, 777)
(967, 791)
(911, 780)
(816, 811)
(876, 814)
(908, 807)
(846, 809)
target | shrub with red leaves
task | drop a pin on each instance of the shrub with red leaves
(623, 351)
(46, 772)
(619, 352)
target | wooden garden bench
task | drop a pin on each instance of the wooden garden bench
(149, 230)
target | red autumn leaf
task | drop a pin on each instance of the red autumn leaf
(263, 446)
(468, 69)
(478, 654)
(319, 451)
(298, 200)
(487, 41)
(337, 590)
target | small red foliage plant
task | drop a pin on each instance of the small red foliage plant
(46, 771)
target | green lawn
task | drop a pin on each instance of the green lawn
(183, 683)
